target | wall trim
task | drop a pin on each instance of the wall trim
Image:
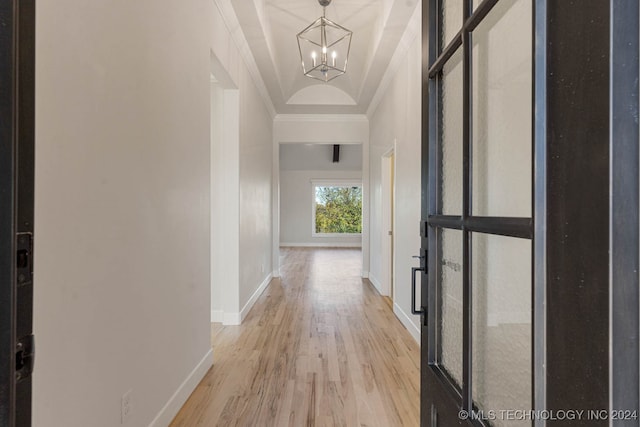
(376, 283)
(407, 322)
(321, 245)
(410, 33)
(399, 313)
(235, 319)
(247, 307)
(171, 408)
(359, 118)
(217, 316)
(233, 27)
(231, 319)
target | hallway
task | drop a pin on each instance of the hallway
(320, 348)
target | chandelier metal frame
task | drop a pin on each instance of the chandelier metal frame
(322, 65)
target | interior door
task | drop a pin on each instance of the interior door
(17, 52)
(477, 237)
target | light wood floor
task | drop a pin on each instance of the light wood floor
(319, 348)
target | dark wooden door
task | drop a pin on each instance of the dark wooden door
(17, 54)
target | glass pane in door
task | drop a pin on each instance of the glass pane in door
(502, 117)
(502, 349)
(450, 283)
(451, 20)
(451, 133)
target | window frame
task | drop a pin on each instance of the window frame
(338, 182)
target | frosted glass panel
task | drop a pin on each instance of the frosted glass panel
(451, 20)
(451, 133)
(450, 282)
(502, 351)
(502, 141)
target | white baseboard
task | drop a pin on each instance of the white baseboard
(376, 283)
(171, 408)
(217, 316)
(321, 245)
(247, 307)
(230, 319)
(276, 273)
(365, 274)
(407, 322)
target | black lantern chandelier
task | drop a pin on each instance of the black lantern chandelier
(324, 48)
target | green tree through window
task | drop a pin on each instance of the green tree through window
(338, 210)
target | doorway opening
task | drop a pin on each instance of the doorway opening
(320, 200)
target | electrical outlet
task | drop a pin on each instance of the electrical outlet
(126, 407)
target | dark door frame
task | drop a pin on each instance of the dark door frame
(572, 144)
(17, 131)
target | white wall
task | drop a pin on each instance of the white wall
(122, 209)
(247, 267)
(256, 128)
(319, 157)
(397, 117)
(321, 128)
(123, 204)
(225, 201)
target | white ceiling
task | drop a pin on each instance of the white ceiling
(270, 28)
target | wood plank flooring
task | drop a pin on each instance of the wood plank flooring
(320, 348)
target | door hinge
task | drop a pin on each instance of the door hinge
(24, 259)
(25, 357)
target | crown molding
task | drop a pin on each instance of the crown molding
(233, 26)
(321, 118)
(411, 32)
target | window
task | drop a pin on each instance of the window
(337, 208)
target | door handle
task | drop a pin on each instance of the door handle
(422, 310)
